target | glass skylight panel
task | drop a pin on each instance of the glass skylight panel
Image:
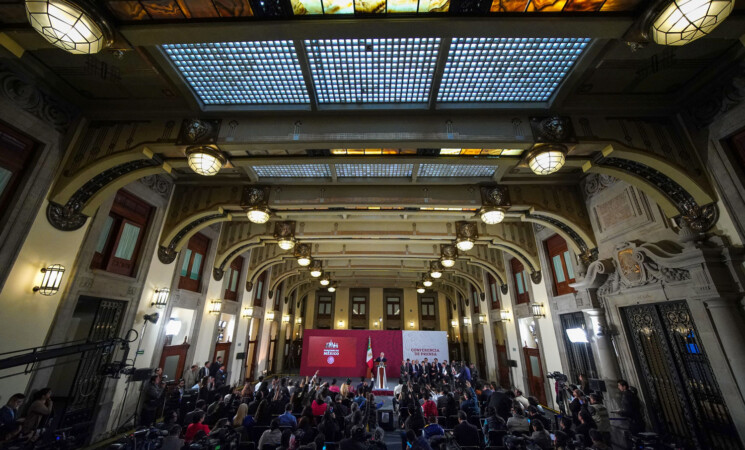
(507, 69)
(372, 70)
(241, 73)
(293, 171)
(455, 170)
(374, 170)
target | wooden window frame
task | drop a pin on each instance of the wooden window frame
(197, 244)
(277, 298)
(234, 273)
(422, 304)
(519, 268)
(398, 303)
(556, 247)
(493, 292)
(127, 209)
(476, 300)
(15, 162)
(259, 293)
(357, 300)
(325, 300)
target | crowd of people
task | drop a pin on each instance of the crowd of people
(436, 404)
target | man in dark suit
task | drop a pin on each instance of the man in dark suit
(409, 370)
(215, 367)
(465, 434)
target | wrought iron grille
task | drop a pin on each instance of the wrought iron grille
(86, 389)
(579, 354)
(685, 402)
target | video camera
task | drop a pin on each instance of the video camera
(558, 376)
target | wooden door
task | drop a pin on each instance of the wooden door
(222, 349)
(172, 360)
(503, 366)
(251, 361)
(535, 374)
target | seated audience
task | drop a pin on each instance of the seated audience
(518, 422)
(465, 434)
(196, 426)
(271, 437)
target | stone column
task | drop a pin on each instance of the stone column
(490, 348)
(727, 320)
(607, 363)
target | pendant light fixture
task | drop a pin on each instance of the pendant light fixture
(205, 160)
(284, 232)
(494, 203)
(435, 270)
(325, 280)
(316, 268)
(427, 281)
(546, 159)
(448, 253)
(491, 216)
(420, 288)
(302, 254)
(254, 201)
(466, 234)
(683, 21)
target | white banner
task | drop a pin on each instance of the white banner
(425, 344)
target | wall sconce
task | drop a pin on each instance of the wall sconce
(248, 312)
(537, 309)
(482, 318)
(160, 298)
(302, 254)
(270, 315)
(505, 315)
(411, 324)
(284, 232)
(285, 319)
(299, 320)
(375, 324)
(216, 307)
(466, 234)
(51, 280)
(173, 327)
(454, 323)
(466, 321)
(340, 324)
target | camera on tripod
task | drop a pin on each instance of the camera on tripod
(558, 376)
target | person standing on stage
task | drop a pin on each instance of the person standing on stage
(381, 380)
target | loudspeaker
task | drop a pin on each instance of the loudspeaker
(241, 355)
(512, 363)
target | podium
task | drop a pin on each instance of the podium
(381, 382)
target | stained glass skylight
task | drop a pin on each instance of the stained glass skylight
(293, 171)
(372, 70)
(507, 69)
(374, 170)
(232, 73)
(455, 170)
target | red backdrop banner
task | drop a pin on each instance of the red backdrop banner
(341, 353)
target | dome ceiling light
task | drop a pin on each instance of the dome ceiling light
(316, 268)
(494, 203)
(427, 282)
(466, 234)
(302, 254)
(547, 159)
(448, 253)
(325, 280)
(435, 269)
(72, 26)
(205, 160)
(420, 288)
(284, 232)
(332, 288)
(254, 201)
(683, 21)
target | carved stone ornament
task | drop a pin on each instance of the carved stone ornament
(198, 131)
(217, 273)
(552, 129)
(65, 218)
(255, 196)
(483, 296)
(700, 219)
(166, 255)
(449, 251)
(640, 266)
(504, 289)
(159, 184)
(271, 294)
(284, 229)
(595, 183)
(495, 196)
(536, 276)
(467, 230)
(249, 285)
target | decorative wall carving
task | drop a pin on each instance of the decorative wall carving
(640, 266)
(31, 98)
(198, 132)
(159, 184)
(595, 183)
(552, 129)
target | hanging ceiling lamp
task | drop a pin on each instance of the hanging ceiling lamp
(492, 216)
(254, 201)
(466, 234)
(325, 280)
(683, 21)
(547, 158)
(302, 254)
(420, 288)
(284, 232)
(494, 203)
(205, 160)
(435, 269)
(332, 288)
(316, 268)
(427, 282)
(73, 27)
(448, 253)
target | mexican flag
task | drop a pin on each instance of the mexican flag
(369, 358)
